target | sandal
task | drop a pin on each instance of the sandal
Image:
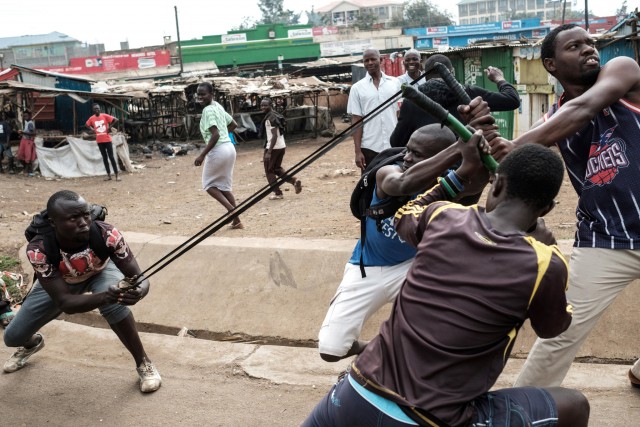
(238, 226)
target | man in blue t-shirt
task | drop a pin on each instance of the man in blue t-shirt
(595, 126)
(386, 257)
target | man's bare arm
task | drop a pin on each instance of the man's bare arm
(391, 181)
(619, 78)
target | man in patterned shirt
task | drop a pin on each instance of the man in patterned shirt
(72, 277)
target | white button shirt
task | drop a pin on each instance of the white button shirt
(364, 98)
(406, 78)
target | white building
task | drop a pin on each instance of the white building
(345, 13)
(480, 11)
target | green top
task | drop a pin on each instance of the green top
(214, 115)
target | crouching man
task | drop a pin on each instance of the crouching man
(78, 266)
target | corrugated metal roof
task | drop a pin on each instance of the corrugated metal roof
(469, 1)
(28, 40)
(53, 74)
(10, 86)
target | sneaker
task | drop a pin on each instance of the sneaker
(150, 379)
(276, 197)
(20, 357)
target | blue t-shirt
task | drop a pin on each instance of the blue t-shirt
(602, 161)
(382, 248)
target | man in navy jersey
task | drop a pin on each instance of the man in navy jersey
(596, 126)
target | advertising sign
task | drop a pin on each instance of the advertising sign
(233, 38)
(300, 33)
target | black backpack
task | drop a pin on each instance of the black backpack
(362, 195)
(40, 225)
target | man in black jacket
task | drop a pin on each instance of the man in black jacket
(413, 117)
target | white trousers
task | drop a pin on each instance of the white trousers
(356, 300)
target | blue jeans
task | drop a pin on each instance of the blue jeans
(38, 308)
(515, 407)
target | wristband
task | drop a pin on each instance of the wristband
(447, 187)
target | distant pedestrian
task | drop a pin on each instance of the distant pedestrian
(274, 148)
(219, 156)
(5, 145)
(27, 149)
(99, 124)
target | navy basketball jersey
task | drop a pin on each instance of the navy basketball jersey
(603, 162)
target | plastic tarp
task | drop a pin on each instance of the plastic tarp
(79, 158)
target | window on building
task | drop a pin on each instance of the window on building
(491, 18)
(540, 15)
(382, 11)
(473, 8)
(482, 7)
(502, 5)
(352, 15)
(473, 20)
(520, 5)
(464, 21)
(338, 18)
(540, 4)
(491, 6)
(531, 5)
(462, 10)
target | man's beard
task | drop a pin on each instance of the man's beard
(589, 78)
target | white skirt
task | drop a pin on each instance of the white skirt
(217, 170)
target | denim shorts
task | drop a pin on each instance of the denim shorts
(344, 406)
(38, 308)
(515, 407)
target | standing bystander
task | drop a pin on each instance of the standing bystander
(99, 123)
(5, 145)
(365, 95)
(27, 149)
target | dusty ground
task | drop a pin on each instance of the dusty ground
(168, 190)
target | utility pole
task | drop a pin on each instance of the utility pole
(586, 15)
(179, 46)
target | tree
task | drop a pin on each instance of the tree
(316, 19)
(365, 21)
(422, 13)
(274, 13)
(623, 9)
(247, 22)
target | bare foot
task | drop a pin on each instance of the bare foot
(108, 178)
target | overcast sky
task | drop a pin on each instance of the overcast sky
(145, 22)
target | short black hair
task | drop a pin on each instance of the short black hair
(534, 174)
(548, 46)
(267, 99)
(60, 195)
(429, 65)
(437, 137)
(207, 86)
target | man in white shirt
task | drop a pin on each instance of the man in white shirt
(374, 89)
(413, 67)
